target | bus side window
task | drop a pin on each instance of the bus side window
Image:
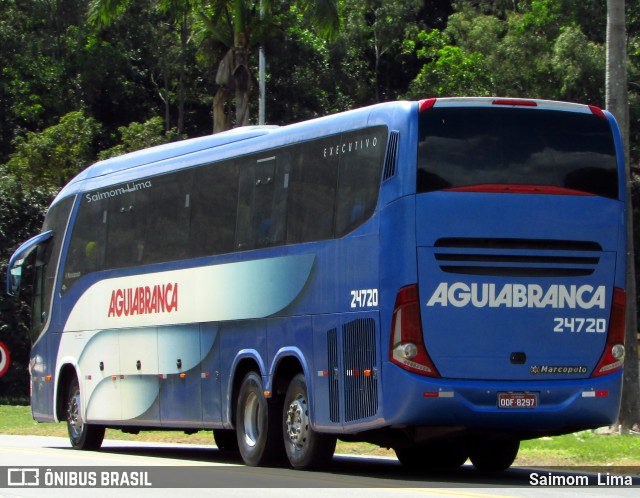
(312, 191)
(359, 179)
(214, 202)
(165, 212)
(86, 252)
(263, 186)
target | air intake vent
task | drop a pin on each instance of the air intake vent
(334, 395)
(392, 153)
(360, 370)
(517, 257)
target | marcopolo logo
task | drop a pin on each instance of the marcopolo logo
(568, 370)
(459, 295)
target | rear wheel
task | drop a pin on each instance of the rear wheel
(494, 455)
(258, 424)
(304, 446)
(83, 436)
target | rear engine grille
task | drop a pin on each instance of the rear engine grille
(360, 380)
(334, 392)
(517, 257)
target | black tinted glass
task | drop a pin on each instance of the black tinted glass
(461, 147)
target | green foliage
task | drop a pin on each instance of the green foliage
(449, 71)
(138, 136)
(22, 211)
(55, 155)
(534, 50)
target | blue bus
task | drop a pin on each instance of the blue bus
(444, 277)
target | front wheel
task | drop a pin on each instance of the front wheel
(258, 424)
(304, 446)
(83, 436)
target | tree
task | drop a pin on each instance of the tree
(618, 104)
(52, 157)
(240, 25)
(139, 136)
(22, 209)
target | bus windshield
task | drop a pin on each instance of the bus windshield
(461, 147)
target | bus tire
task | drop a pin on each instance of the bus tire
(305, 447)
(83, 436)
(226, 440)
(258, 424)
(494, 455)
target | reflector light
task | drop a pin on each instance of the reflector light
(595, 394)
(407, 347)
(597, 112)
(438, 394)
(504, 188)
(613, 356)
(425, 104)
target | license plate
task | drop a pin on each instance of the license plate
(517, 400)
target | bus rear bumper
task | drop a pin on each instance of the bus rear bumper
(560, 405)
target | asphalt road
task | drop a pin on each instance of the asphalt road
(178, 469)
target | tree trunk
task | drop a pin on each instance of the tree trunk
(618, 103)
(221, 121)
(184, 35)
(241, 78)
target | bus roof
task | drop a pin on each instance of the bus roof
(384, 113)
(169, 150)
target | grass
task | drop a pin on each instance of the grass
(581, 449)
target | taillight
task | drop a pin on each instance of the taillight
(407, 347)
(613, 357)
(515, 102)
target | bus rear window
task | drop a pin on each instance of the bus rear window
(464, 147)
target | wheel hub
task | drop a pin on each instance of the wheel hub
(298, 421)
(75, 417)
(252, 420)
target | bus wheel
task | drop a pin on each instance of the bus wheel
(305, 447)
(83, 436)
(494, 455)
(226, 440)
(258, 424)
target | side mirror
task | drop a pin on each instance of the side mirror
(14, 270)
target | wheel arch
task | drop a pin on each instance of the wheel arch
(287, 363)
(246, 361)
(66, 374)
